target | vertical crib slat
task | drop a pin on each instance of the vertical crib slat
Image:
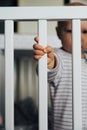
(9, 76)
(77, 103)
(43, 112)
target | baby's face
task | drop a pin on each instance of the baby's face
(66, 37)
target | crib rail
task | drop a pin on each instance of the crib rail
(49, 13)
(42, 14)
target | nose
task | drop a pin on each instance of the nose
(81, 44)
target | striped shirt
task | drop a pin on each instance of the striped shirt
(60, 80)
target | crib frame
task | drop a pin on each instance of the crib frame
(42, 15)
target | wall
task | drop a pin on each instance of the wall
(83, 1)
(31, 28)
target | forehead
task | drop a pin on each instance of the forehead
(84, 21)
(84, 24)
(68, 23)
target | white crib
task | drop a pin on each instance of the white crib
(42, 15)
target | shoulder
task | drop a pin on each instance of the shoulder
(64, 58)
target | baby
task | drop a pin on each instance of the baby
(59, 63)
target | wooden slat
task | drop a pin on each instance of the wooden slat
(9, 76)
(77, 89)
(43, 100)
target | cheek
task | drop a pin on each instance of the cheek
(84, 42)
(85, 46)
(67, 46)
(68, 41)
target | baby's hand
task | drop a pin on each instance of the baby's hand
(39, 51)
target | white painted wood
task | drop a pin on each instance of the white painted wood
(43, 12)
(43, 99)
(77, 97)
(9, 76)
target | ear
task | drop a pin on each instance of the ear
(58, 32)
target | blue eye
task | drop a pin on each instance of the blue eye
(68, 31)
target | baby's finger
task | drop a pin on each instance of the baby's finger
(50, 55)
(37, 57)
(38, 47)
(49, 49)
(38, 52)
(36, 39)
(48, 61)
(50, 52)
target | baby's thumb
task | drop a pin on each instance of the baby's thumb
(36, 39)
